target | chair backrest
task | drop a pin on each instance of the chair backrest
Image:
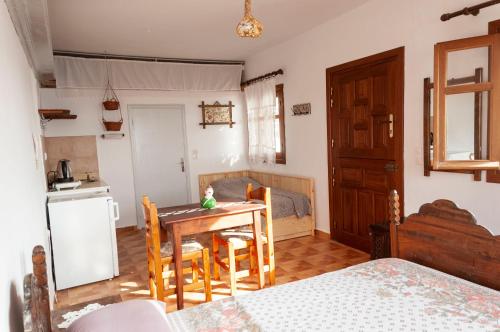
(262, 194)
(152, 228)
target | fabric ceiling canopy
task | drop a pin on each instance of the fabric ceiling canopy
(73, 72)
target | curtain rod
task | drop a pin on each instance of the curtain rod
(473, 10)
(262, 77)
(145, 58)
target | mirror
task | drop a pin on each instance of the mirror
(462, 63)
(465, 114)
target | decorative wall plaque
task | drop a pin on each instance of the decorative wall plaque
(301, 109)
(216, 114)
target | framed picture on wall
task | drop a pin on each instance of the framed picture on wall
(217, 114)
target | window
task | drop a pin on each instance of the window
(457, 143)
(279, 125)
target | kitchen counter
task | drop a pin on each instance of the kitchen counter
(86, 187)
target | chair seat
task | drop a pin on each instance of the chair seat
(188, 246)
(239, 236)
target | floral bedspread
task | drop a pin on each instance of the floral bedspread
(382, 295)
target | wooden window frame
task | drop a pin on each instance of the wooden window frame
(442, 89)
(493, 176)
(428, 90)
(281, 156)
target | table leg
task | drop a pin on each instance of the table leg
(179, 277)
(257, 235)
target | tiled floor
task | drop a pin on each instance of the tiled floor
(295, 259)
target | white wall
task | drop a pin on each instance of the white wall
(220, 148)
(372, 28)
(22, 198)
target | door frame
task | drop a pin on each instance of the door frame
(398, 54)
(131, 108)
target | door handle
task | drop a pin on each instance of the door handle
(391, 125)
(390, 121)
(182, 165)
(116, 210)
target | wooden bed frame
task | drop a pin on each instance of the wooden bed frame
(36, 295)
(283, 228)
(446, 238)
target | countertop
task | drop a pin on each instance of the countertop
(86, 187)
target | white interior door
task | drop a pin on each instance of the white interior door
(159, 154)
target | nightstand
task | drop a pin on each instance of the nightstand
(380, 241)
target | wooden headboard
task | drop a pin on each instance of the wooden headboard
(36, 295)
(298, 184)
(446, 238)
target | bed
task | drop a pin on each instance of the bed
(393, 294)
(290, 222)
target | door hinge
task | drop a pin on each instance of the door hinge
(333, 142)
(331, 102)
(391, 167)
(333, 182)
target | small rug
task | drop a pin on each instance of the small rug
(58, 315)
(71, 316)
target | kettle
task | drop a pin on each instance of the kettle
(63, 173)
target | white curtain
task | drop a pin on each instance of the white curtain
(261, 104)
(72, 72)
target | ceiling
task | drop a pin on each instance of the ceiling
(191, 29)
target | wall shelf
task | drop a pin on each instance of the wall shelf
(56, 114)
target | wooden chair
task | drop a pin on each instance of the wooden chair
(235, 240)
(160, 256)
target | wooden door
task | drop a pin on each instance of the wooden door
(365, 140)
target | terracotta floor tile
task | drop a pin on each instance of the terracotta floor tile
(295, 259)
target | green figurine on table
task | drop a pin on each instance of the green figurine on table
(208, 202)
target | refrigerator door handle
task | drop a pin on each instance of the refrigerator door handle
(116, 211)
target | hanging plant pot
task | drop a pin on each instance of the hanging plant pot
(111, 104)
(113, 125)
(110, 100)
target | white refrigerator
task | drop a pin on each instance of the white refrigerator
(83, 237)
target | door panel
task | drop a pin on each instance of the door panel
(365, 161)
(159, 153)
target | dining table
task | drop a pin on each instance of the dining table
(191, 219)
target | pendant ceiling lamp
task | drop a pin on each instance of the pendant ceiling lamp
(249, 26)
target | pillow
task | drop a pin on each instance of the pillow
(128, 316)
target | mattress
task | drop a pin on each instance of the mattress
(382, 295)
(284, 203)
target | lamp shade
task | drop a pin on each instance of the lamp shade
(249, 26)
